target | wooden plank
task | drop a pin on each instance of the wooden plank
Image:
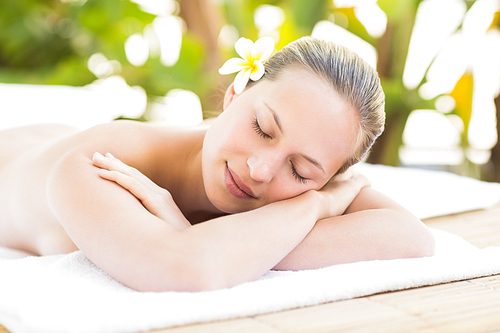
(243, 325)
(492, 282)
(345, 316)
(481, 227)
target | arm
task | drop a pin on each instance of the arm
(373, 227)
(364, 226)
(119, 235)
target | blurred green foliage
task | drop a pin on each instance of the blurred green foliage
(50, 42)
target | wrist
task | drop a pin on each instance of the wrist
(317, 204)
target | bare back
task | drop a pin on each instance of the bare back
(22, 166)
(28, 156)
(16, 141)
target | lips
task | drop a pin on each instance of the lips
(235, 185)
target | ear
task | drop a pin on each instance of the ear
(229, 96)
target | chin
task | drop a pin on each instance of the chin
(223, 201)
(228, 204)
(228, 208)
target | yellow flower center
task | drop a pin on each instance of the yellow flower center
(252, 66)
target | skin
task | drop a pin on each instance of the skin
(325, 133)
(141, 206)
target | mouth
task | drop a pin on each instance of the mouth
(235, 186)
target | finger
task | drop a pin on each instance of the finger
(106, 162)
(127, 169)
(343, 176)
(98, 160)
(111, 163)
(156, 203)
(108, 154)
(135, 187)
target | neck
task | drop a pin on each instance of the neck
(181, 173)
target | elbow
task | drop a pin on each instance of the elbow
(427, 244)
(422, 242)
(408, 238)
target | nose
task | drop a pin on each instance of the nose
(263, 168)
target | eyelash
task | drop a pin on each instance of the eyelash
(261, 133)
(296, 175)
(256, 127)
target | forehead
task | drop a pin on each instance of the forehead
(315, 119)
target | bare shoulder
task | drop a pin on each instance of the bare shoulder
(138, 144)
(133, 134)
(115, 134)
(57, 138)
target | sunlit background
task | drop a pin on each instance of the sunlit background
(157, 60)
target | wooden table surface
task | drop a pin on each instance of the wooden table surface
(463, 306)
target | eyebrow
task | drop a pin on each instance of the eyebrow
(276, 118)
(313, 161)
(278, 123)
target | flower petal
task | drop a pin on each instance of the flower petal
(233, 65)
(263, 48)
(244, 48)
(258, 70)
(241, 80)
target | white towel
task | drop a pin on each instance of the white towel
(67, 293)
(429, 193)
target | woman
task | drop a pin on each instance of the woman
(269, 178)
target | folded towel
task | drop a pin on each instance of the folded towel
(428, 193)
(68, 293)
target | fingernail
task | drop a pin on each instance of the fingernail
(109, 155)
(98, 156)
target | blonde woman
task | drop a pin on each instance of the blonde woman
(270, 179)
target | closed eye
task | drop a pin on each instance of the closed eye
(260, 132)
(258, 129)
(296, 175)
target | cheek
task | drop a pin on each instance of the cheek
(234, 135)
(287, 188)
(241, 142)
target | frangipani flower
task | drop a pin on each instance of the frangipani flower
(250, 65)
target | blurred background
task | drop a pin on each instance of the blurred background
(157, 60)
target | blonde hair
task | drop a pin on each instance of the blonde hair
(352, 77)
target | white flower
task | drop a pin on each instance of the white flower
(250, 65)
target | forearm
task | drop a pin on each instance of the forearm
(234, 248)
(371, 230)
(242, 247)
(219, 253)
(222, 252)
(255, 241)
(140, 250)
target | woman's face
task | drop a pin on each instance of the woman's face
(275, 141)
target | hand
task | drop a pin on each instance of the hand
(341, 190)
(158, 201)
